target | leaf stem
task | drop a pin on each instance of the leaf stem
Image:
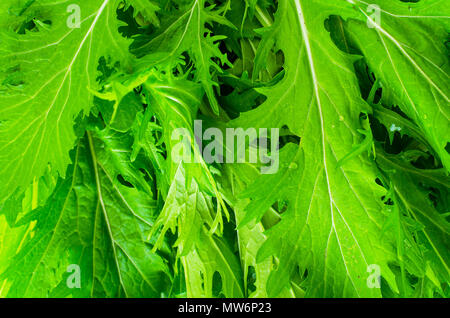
(263, 17)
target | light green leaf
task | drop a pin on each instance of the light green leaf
(96, 223)
(44, 76)
(413, 70)
(147, 9)
(411, 188)
(333, 213)
(188, 32)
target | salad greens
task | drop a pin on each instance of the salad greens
(94, 203)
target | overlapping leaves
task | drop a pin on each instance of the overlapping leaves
(361, 102)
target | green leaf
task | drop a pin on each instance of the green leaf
(146, 8)
(413, 70)
(44, 76)
(412, 194)
(188, 32)
(250, 237)
(213, 255)
(356, 205)
(396, 123)
(333, 214)
(95, 222)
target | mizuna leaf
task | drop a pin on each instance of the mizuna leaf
(413, 69)
(188, 208)
(146, 8)
(175, 101)
(435, 233)
(202, 254)
(396, 123)
(44, 76)
(250, 237)
(355, 95)
(11, 241)
(188, 32)
(333, 213)
(213, 255)
(94, 222)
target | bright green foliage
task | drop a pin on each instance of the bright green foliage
(187, 31)
(147, 9)
(360, 94)
(82, 224)
(46, 73)
(413, 70)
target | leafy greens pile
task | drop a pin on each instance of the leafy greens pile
(87, 177)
